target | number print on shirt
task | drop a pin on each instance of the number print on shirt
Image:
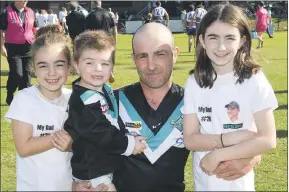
(206, 112)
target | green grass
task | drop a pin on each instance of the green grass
(271, 175)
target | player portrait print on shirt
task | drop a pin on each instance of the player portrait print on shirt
(233, 110)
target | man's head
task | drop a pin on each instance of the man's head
(20, 4)
(233, 110)
(191, 7)
(73, 5)
(261, 4)
(109, 9)
(158, 3)
(154, 54)
(97, 3)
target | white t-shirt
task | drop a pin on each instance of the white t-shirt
(199, 14)
(52, 19)
(61, 16)
(50, 170)
(253, 95)
(42, 20)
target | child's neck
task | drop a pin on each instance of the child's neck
(50, 95)
(222, 70)
(95, 88)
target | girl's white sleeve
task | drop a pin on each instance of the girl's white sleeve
(189, 105)
(20, 109)
(263, 96)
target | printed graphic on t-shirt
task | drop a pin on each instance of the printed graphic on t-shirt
(178, 124)
(233, 110)
(45, 130)
(206, 113)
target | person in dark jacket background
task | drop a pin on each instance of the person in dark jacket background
(75, 21)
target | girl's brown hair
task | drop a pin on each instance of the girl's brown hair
(244, 65)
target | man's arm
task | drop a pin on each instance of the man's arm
(167, 18)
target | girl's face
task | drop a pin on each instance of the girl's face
(94, 67)
(221, 43)
(51, 68)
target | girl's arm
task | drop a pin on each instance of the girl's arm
(264, 141)
(196, 141)
(26, 145)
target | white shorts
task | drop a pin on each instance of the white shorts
(105, 179)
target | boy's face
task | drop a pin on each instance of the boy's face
(94, 67)
(233, 112)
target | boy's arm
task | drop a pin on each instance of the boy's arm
(26, 145)
(264, 141)
(93, 126)
(196, 141)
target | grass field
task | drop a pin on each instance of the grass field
(271, 175)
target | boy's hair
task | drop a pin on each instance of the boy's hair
(244, 65)
(53, 28)
(98, 40)
(49, 39)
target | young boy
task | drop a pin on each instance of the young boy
(93, 113)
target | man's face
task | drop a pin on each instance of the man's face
(154, 58)
(233, 112)
(21, 3)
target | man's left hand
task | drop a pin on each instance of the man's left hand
(235, 169)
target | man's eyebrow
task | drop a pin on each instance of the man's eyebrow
(41, 62)
(59, 61)
(213, 35)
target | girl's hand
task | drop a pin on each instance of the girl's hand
(61, 140)
(209, 162)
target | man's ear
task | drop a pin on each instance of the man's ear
(175, 54)
(202, 41)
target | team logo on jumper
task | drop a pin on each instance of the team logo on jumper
(179, 142)
(13, 21)
(135, 125)
(104, 108)
(178, 124)
(233, 110)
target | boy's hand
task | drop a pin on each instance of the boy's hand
(61, 140)
(139, 145)
(209, 162)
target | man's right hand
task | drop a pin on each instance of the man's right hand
(3, 51)
(86, 186)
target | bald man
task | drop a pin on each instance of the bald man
(151, 107)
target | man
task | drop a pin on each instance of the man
(17, 22)
(261, 23)
(158, 14)
(190, 26)
(151, 108)
(233, 111)
(75, 21)
(100, 18)
(199, 14)
(111, 13)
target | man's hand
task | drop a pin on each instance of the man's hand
(3, 51)
(235, 169)
(61, 140)
(86, 186)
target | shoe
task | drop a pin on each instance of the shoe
(9, 98)
(270, 36)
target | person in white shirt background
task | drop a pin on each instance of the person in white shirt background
(42, 160)
(226, 77)
(52, 17)
(42, 18)
(62, 20)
